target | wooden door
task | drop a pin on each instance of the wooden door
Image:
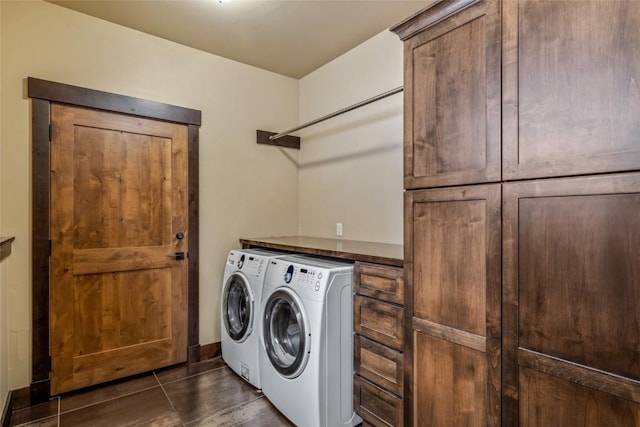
(453, 288)
(571, 87)
(118, 299)
(571, 302)
(452, 95)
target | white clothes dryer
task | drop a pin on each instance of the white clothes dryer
(306, 344)
(242, 283)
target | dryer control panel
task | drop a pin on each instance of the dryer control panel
(250, 265)
(308, 280)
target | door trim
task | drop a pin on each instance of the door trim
(42, 93)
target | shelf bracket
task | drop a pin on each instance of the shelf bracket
(288, 141)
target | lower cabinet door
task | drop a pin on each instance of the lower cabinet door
(453, 288)
(571, 301)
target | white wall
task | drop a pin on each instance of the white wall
(4, 351)
(349, 168)
(237, 176)
(351, 165)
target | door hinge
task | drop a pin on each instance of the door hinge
(50, 132)
(50, 364)
(50, 247)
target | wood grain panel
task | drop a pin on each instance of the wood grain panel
(446, 136)
(614, 385)
(549, 401)
(442, 225)
(453, 335)
(452, 100)
(572, 97)
(370, 252)
(41, 168)
(380, 282)
(81, 96)
(120, 310)
(450, 263)
(379, 364)
(450, 384)
(571, 246)
(376, 406)
(92, 261)
(379, 321)
(193, 246)
(123, 187)
(409, 197)
(579, 279)
(118, 197)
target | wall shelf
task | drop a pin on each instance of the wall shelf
(5, 246)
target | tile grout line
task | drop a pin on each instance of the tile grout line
(168, 399)
(224, 410)
(159, 383)
(190, 376)
(39, 419)
(105, 400)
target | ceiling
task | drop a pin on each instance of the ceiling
(289, 37)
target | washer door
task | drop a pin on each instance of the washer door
(237, 307)
(286, 333)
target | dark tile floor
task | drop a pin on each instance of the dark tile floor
(202, 394)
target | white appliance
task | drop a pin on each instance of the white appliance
(306, 344)
(244, 275)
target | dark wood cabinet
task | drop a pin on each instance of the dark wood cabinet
(379, 361)
(453, 240)
(452, 96)
(522, 224)
(571, 87)
(572, 299)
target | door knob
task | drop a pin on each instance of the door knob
(179, 235)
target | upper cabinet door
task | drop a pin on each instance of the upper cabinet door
(452, 94)
(571, 95)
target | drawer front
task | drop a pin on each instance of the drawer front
(379, 364)
(379, 321)
(378, 281)
(376, 406)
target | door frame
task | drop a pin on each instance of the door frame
(42, 93)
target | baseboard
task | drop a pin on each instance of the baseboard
(209, 351)
(40, 391)
(16, 399)
(21, 398)
(198, 353)
(8, 408)
(193, 354)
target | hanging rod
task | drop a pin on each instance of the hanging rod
(286, 140)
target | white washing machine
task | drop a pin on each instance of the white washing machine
(242, 283)
(306, 344)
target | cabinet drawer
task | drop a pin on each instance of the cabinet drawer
(381, 282)
(376, 406)
(379, 321)
(379, 364)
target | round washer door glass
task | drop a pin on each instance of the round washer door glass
(286, 333)
(237, 307)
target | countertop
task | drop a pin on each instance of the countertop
(376, 253)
